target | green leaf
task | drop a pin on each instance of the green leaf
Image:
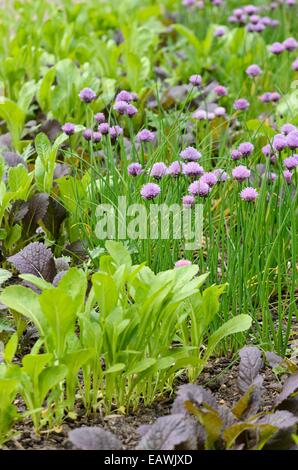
(60, 311)
(118, 252)
(19, 182)
(13, 236)
(4, 275)
(33, 365)
(142, 366)
(10, 348)
(234, 325)
(189, 35)
(26, 95)
(49, 378)
(15, 119)
(115, 368)
(106, 292)
(26, 302)
(36, 281)
(74, 283)
(44, 92)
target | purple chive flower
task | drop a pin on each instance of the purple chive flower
(241, 173)
(290, 44)
(210, 116)
(68, 128)
(295, 65)
(158, 170)
(209, 178)
(273, 5)
(195, 80)
(279, 142)
(124, 96)
(242, 104)
(277, 48)
(250, 9)
(199, 188)
(246, 148)
(150, 191)
(99, 117)
(238, 12)
(287, 176)
(174, 169)
(265, 97)
(249, 194)
(290, 163)
(220, 90)
(200, 114)
(292, 140)
(253, 71)
(131, 110)
(236, 154)
(182, 262)
(266, 21)
(120, 107)
(220, 111)
(232, 19)
(145, 136)
(257, 28)
(219, 32)
(115, 131)
(274, 23)
(271, 177)
(96, 137)
(188, 3)
(103, 128)
(190, 154)
(275, 96)
(135, 169)
(87, 95)
(269, 152)
(87, 134)
(254, 19)
(188, 201)
(192, 169)
(287, 128)
(221, 175)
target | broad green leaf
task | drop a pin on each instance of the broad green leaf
(234, 325)
(4, 275)
(34, 364)
(106, 292)
(26, 302)
(189, 35)
(49, 378)
(26, 95)
(118, 252)
(74, 283)
(14, 117)
(44, 92)
(115, 368)
(36, 281)
(142, 366)
(60, 311)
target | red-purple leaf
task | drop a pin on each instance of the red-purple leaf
(35, 259)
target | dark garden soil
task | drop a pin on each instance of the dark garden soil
(220, 376)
